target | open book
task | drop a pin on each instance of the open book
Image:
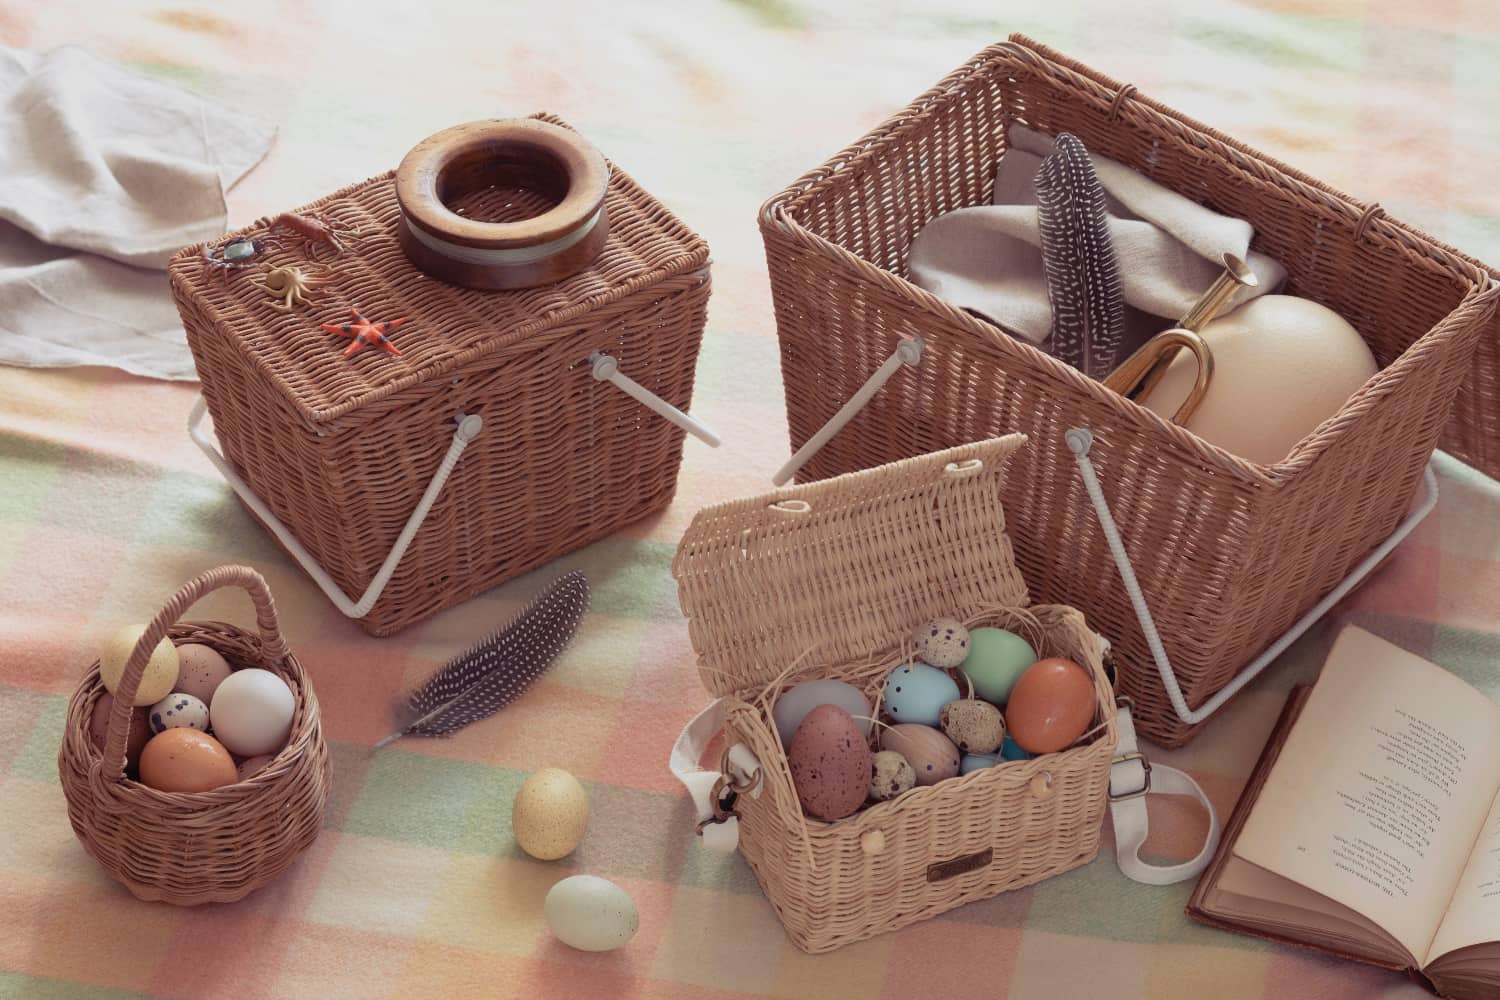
(1371, 825)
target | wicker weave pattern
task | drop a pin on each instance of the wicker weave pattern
(208, 847)
(342, 448)
(833, 590)
(1229, 552)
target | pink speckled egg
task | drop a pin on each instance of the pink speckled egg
(830, 763)
(200, 671)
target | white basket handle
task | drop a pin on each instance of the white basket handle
(1080, 440)
(468, 427)
(908, 352)
(606, 369)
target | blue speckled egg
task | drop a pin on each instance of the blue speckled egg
(917, 692)
(977, 762)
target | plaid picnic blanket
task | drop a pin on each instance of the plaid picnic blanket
(416, 887)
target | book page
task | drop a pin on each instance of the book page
(1381, 788)
(1474, 912)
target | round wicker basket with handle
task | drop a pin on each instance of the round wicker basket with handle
(204, 847)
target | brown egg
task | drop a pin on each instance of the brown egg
(830, 763)
(135, 739)
(1052, 705)
(185, 760)
(931, 754)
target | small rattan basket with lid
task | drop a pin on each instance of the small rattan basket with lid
(205, 847)
(828, 580)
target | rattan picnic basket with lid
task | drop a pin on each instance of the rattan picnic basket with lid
(829, 579)
(497, 441)
(206, 847)
(1229, 553)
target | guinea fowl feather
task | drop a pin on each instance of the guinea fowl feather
(1083, 276)
(495, 672)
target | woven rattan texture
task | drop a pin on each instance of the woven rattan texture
(208, 847)
(1229, 553)
(830, 583)
(342, 448)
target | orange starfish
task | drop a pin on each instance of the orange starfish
(364, 332)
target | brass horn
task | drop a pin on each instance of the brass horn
(1144, 369)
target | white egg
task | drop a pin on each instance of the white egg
(252, 712)
(177, 710)
(591, 913)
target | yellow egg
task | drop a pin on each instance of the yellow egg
(550, 814)
(158, 677)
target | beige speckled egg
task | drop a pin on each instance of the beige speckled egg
(974, 726)
(550, 814)
(178, 709)
(201, 671)
(890, 775)
(941, 642)
(159, 675)
(931, 754)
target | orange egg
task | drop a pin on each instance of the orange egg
(1051, 706)
(185, 760)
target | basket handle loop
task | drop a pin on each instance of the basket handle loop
(605, 368)
(273, 646)
(908, 352)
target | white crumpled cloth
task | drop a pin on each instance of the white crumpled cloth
(1169, 248)
(104, 173)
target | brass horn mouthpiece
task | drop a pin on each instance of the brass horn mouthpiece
(1144, 369)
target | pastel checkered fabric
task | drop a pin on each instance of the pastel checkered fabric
(416, 887)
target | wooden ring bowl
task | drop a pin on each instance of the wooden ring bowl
(522, 152)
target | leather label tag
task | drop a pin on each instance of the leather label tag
(941, 870)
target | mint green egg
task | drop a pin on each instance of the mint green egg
(996, 660)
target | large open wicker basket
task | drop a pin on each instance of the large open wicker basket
(1229, 553)
(829, 579)
(341, 450)
(206, 847)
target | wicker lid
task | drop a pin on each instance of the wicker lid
(446, 326)
(846, 566)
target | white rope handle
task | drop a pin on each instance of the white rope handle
(468, 428)
(606, 369)
(908, 352)
(1080, 440)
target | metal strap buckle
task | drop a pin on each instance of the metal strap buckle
(726, 792)
(1145, 776)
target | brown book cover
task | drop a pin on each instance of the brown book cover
(1196, 904)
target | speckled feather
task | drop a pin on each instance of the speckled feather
(1083, 276)
(484, 679)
